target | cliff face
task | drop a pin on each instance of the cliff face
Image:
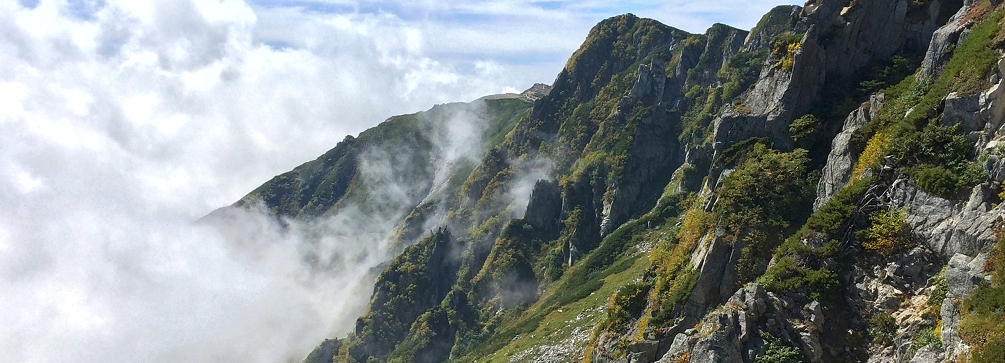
(824, 187)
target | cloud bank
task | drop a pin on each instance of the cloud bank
(124, 121)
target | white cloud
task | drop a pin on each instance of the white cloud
(122, 121)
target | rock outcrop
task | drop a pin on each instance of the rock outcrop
(737, 331)
(837, 172)
(946, 227)
(944, 40)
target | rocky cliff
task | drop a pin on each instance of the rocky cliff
(824, 187)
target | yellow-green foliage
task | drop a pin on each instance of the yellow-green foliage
(785, 47)
(878, 147)
(694, 226)
(671, 254)
(888, 233)
(670, 260)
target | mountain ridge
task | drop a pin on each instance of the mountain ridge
(823, 187)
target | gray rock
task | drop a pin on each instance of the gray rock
(545, 205)
(785, 16)
(964, 273)
(863, 30)
(929, 354)
(731, 333)
(943, 41)
(655, 150)
(774, 101)
(837, 171)
(963, 111)
(643, 352)
(950, 314)
(995, 168)
(945, 227)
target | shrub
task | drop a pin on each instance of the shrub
(785, 47)
(888, 233)
(831, 215)
(882, 328)
(776, 352)
(926, 337)
(787, 276)
(941, 289)
(992, 352)
(625, 304)
(935, 179)
(942, 155)
(877, 147)
(803, 127)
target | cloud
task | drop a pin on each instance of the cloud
(123, 121)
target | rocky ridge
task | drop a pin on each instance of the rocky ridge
(748, 196)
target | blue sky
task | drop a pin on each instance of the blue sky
(531, 38)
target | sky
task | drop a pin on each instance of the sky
(122, 121)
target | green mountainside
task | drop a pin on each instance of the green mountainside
(825, 187)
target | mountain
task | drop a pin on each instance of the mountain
(823, 187)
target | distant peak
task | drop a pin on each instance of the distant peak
(533, 93)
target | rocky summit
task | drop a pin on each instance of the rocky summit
(824, 187)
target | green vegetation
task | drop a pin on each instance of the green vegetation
(784, 48)
(941, 156)
(670, 260)
(882, 328)
(810, 275)
(625, 304)
(941, 289)
(741, 72)
(777, 352)
(924, 338)
(888, 233)
(515, 287)
(803, 127)
(935, 156)
(403, 292)
(982, 313)
(547, 322)
(759, 202)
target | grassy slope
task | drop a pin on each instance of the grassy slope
(551, 324)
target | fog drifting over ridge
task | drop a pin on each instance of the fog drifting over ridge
(123, 121)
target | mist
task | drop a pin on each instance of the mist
(124, 122)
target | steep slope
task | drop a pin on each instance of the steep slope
(824, 187)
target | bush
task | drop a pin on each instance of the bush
(940, 291)
(877, 147)
(882, 328)
(942, 158)
(992, 352)
(982, 313)
(935, 179)
(785, 47)
(769, 188)
(776, 352)
(787, 276)
(888, 233)
(803, 127)
(829, 218)
(625, 304)
(926, 337)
